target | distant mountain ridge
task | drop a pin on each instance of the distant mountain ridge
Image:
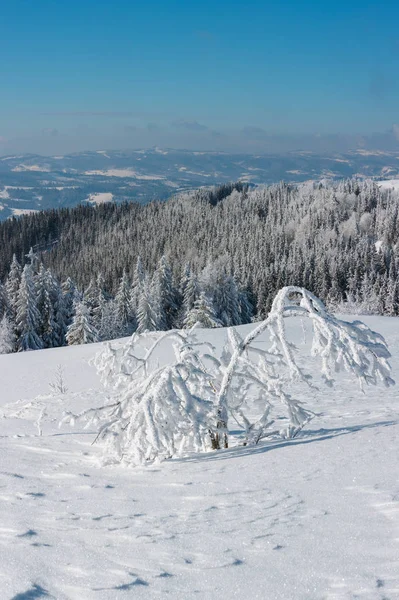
(31, 182)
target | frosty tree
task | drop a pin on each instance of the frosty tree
(159, 411)
(81, 330)
(27, 314)
(149, 317)
(13, 283)
(202, 314)
(7, 336)
(4, 302)
(124, 316)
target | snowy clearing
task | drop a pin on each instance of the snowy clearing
(39, 168)
(313, 518)
(17, 212)
(125, 173)
(389, 184)
(100, 197)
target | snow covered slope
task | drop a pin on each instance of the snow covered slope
(313, 518)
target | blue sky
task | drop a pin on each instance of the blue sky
(213, 74)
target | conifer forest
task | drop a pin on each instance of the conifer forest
(213, 256)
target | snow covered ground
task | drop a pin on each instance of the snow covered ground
(308, 519)
(389, 184)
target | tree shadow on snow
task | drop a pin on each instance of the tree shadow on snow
(308, 436)
(32, 594)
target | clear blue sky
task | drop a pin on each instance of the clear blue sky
(85, 74)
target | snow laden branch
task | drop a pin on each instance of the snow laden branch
(174, 393)
(339, 344)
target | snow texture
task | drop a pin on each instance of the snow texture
(312, 518)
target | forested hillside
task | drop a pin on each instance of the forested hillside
(231, 247)
(29, 183)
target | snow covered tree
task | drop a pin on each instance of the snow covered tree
(34, 261)
(245, 306)
(51, 307)
(7, 336)
(158, 410)
(165, 294)
(27, 314)
(223, 290)
(148, 317)
(90, 296)
(202, 314)
(124, 316)
(184, 279)
(70, 296)
(139, 278)
(46, 311)
(110, 325)
(12, 284)
(191, 293)
(99, 304)
(81, 330)
(227, 299)
(4, 303)
(61, 311)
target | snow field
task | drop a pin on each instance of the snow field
(316, 517)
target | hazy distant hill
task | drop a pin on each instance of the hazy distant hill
(32, 182)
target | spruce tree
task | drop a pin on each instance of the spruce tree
(27, 314)
(7, 336)
(70, 296)
(12, 284)
(139, 278)
(147, 317)
(4, 303)
(202, 314)
(81, 331)
(166, 294)
(124, 316)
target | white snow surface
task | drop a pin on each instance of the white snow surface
(17, 212)
(124, 173)
(23, 167)
(389, 184)
(313, 518)
(100, 197)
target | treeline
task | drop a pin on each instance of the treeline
(337, 239)
(36, 311)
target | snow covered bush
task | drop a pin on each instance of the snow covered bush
(160, 410)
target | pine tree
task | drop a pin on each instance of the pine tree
(99, 303)
(81, 331)
(184, 279)
(202, 314)
(7, 336)
(147, 317)
(12, 284)
(110, 325)
(27, 315)
(245, 306)
(90, 297)
(226, 301)
(124, 317)
(166, 293)
(159, 315)
(34, 261)
(139, 278)
(59, 309)
(4, 303)
(70, 296)
(191, 293)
